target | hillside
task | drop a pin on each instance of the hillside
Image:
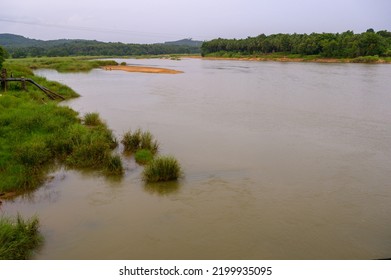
(185, 42)
(19, 46)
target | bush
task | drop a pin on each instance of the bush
(18, 239)
(161, 169)
(143, 156)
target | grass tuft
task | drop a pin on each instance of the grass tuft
(139, 140)
(161, 169)
(114, 165)
(92, 119)
(18, 239)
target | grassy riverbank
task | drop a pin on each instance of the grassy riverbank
(36, 133)
(61, 64)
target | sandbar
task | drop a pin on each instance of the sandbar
(142, 69)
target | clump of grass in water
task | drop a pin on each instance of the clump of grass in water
(114, 165)
(143, 156)
(91, 148)
(18, 239)
(139, 140)
(161, 169)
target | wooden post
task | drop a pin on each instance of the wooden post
(23, 81)
(4, 79)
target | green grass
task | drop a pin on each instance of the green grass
(18, 238)
(35, 133)
(113, 165)
(62, 64)
(143, 156)
(92, 119)
(139, 140)
(162, 169)
(366, 59)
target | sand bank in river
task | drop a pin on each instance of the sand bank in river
(142, 69)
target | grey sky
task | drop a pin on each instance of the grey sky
(151, 21)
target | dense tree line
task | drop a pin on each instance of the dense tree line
(339, 45)
(95, 48)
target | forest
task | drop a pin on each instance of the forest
(328, 45)
(21, 47)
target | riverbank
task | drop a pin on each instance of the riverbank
(37, 133)
(141, 69)
(297, 58)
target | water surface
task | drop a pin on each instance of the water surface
(281, 161)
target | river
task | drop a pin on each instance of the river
(281, 161)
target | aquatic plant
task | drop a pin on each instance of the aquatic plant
(162, 168)
(114, 165)
(18, 239)
(139, 140)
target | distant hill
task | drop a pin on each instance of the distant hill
(11, 40)
(19, 46)
(185, 42)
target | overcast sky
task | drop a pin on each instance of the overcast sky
(152, 21)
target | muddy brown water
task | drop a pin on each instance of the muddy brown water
(281, 161)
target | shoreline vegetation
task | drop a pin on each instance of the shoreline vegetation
(369, 46)
(283, 57)
(38, 135)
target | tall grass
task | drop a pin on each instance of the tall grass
(139, 140)
(35, 135)
(62, 64)
(161, 169)
(92, 119)
(18, 239)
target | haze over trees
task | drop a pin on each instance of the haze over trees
(336, 45)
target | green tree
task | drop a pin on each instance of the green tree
(3, 56)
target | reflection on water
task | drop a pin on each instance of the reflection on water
(281, 161)
(163, 188)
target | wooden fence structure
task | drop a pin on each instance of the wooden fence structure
(5, 80)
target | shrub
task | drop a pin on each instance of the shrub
(123, 63)
(143, 156)
(161, 169)
(18, 239)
